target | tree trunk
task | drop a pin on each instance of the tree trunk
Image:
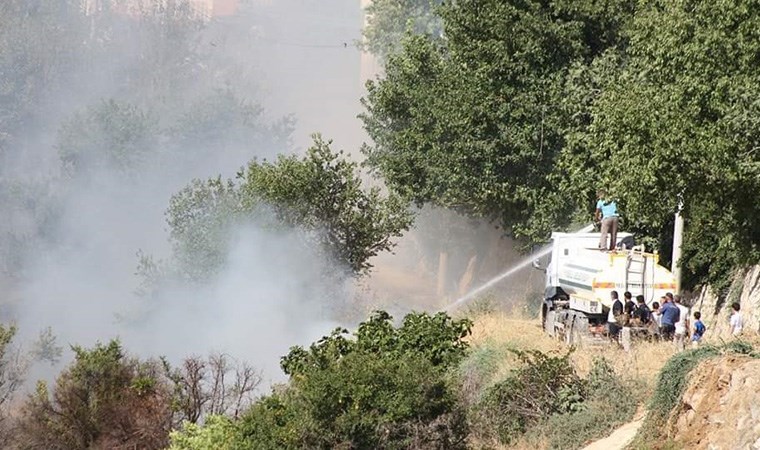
(466, 280)
(443, 263)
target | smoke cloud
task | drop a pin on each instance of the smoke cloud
(74, 227)
(80, 195)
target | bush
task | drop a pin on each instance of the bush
(103, 400)
(217, 433)
(541, 386)
(610, 402)
(386, 389)
(544, 401)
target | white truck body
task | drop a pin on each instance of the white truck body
(580, 278)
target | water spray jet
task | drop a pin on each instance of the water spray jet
(506, 274)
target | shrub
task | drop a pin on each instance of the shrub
(103, 400)
(386, 389)
(217, 433)
(610, 402)
(541, 386)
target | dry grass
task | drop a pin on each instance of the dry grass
(505, 330)
(494, 333)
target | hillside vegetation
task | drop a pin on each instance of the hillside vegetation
(510, 112)
(495, 382)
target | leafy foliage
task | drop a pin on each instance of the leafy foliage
(677, 123)
(610, 402)
(476, 122)
(109, 135)
(108, 399)
(319, 194)
(223, 123)
(217, 433)
(543, 400)
(541, 386)
(437, 338)
(388, 21)
(104, 399)
(379, 390)
(526, 108)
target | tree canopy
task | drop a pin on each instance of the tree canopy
(524, 109)
(388, 21)
(477, 120)
(320, 195)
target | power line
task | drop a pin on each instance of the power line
(345, 44)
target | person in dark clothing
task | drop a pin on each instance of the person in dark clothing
(642, 313)
(670, 315)
(616, 312)
(630, 306)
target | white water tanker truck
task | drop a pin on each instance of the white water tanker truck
(580, 277)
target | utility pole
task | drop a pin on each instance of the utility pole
(675, 263)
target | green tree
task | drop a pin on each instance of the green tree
(109, 135)
(477, 121)
(222, 123)
(388, 21)
(104, 399)
(385, 388)
(38, 46)
(680, 121)
(319, 194)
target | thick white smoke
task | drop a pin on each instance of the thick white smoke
(80, 278)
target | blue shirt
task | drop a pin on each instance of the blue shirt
(608, 208)
(699, 330)
(670, 314)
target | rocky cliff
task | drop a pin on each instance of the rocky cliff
(720, 409)
(716, 312)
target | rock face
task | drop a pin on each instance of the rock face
(720, 409)
(746, 291)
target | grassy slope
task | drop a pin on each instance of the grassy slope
(494, 333)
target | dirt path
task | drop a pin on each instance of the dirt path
(619, 438)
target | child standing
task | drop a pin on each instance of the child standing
(736, 321)
(699, 329)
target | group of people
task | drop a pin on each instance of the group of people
(667, 319)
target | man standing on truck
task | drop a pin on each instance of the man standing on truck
(606, 211)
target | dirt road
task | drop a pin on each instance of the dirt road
(619, 438)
